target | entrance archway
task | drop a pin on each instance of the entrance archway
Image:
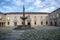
(50, 23)
(29, 23)
(46, 23)
(55, 23)
(15, 23)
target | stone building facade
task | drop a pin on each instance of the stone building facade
(2, 19)
(34, 18)
(55, 17)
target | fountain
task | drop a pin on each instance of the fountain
(23, 26)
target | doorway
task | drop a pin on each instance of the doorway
(55, 23)
(15, 23)
(29, 23)
(41, 23)
(50, 23)
(46, 23)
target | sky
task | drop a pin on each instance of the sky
(30, 5)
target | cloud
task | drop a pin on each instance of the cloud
(29, 1)
(30, 9)
(37, 3)
(7, 7)
(17, 2)
(31, 5)
(49, 9)
(2, 3)
(46, 3)
(53, 3)
(7, 0)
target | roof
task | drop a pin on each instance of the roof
(27, 13)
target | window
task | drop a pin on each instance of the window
(51, 23)
(8, 18)
(0, 17)
(28, 23)
(15, 23)
(57, 15)
(53, 16)
(46, 22)
(28, 16)
(35, 22)
(15, 19)
(41, 23)
(8, 23)
(50, 17)
(41, 18)
(35, 18)
(46, 18)
(28, 19)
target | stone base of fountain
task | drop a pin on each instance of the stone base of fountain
(23, 27)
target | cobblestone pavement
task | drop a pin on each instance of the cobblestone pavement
(12, 35)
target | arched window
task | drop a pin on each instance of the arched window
(46, 22)
(8, 23)
(35, 18)
(35, 22)
(15, 19)
(47, 18)
(41, 22)
(53, 16)
(15, 23)
(8, 18)
(41, 18)
(57, 15)
(0, 17)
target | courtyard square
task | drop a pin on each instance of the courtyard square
(38, 33)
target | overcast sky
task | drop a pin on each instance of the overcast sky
(30, 5)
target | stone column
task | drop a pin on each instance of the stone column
(23, 16)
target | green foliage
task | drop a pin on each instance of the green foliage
(41, 34)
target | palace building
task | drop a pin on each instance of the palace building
(33, 18)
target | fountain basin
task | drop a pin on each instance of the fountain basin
(23, 18)
(22, 27)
